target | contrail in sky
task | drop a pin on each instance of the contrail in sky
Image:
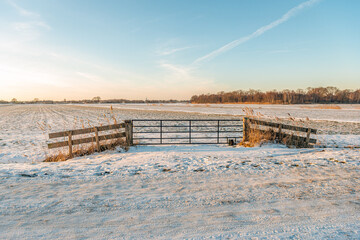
(292, 12)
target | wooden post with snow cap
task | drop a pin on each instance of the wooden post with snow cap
(129, 132)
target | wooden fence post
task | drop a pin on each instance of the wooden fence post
(97, 139)
(245, 129)
(280, 128)
(129, 132)
(308, 136)
(70, 144)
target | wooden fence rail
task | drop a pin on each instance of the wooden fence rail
(280, 135)
(97, 138)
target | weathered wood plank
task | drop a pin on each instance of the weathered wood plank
(111, 127)
(57, 144)
(277, 125)
(86, 140)
(112, 136)
(86, 130)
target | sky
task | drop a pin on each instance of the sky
(173, 49)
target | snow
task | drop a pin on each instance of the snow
(346, 113)
(187, 191)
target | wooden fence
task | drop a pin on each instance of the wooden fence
(253, 124)
(128, 127)
(70, 142)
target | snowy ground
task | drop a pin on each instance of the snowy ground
(163, 192)
(24, 128)
(346, 113)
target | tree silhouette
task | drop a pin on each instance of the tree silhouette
(310, 95)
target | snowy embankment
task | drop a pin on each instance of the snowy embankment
(162, 192)
(186, 191)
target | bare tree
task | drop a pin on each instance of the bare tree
(96, 99)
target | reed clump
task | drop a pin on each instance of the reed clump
(256, 134)
(257, 137)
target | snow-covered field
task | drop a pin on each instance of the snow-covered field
(194, 191)
(345, 113)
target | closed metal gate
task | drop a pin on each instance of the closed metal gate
(185, 131)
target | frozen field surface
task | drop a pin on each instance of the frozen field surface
(344, 113)
(176, 192)
(24, 128)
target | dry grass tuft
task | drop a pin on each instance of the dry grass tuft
(60, 157)
(257, 137)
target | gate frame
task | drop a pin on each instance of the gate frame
(189, 131)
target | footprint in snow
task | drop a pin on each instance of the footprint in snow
(199, 170)
(28, 175)
(102, 173)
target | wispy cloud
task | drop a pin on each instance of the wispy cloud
(292, 12)
(172, 51)
(22, 11)
(27, 62)
(30, 29)
(176, 69)
(182, 80)
(30, 26)
(90, 77)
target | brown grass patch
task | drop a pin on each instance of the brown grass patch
(60, 157)
(257, 137)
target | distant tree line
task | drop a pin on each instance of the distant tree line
(300, 96)
(89, 101)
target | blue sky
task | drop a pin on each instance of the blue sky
(56, 49)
